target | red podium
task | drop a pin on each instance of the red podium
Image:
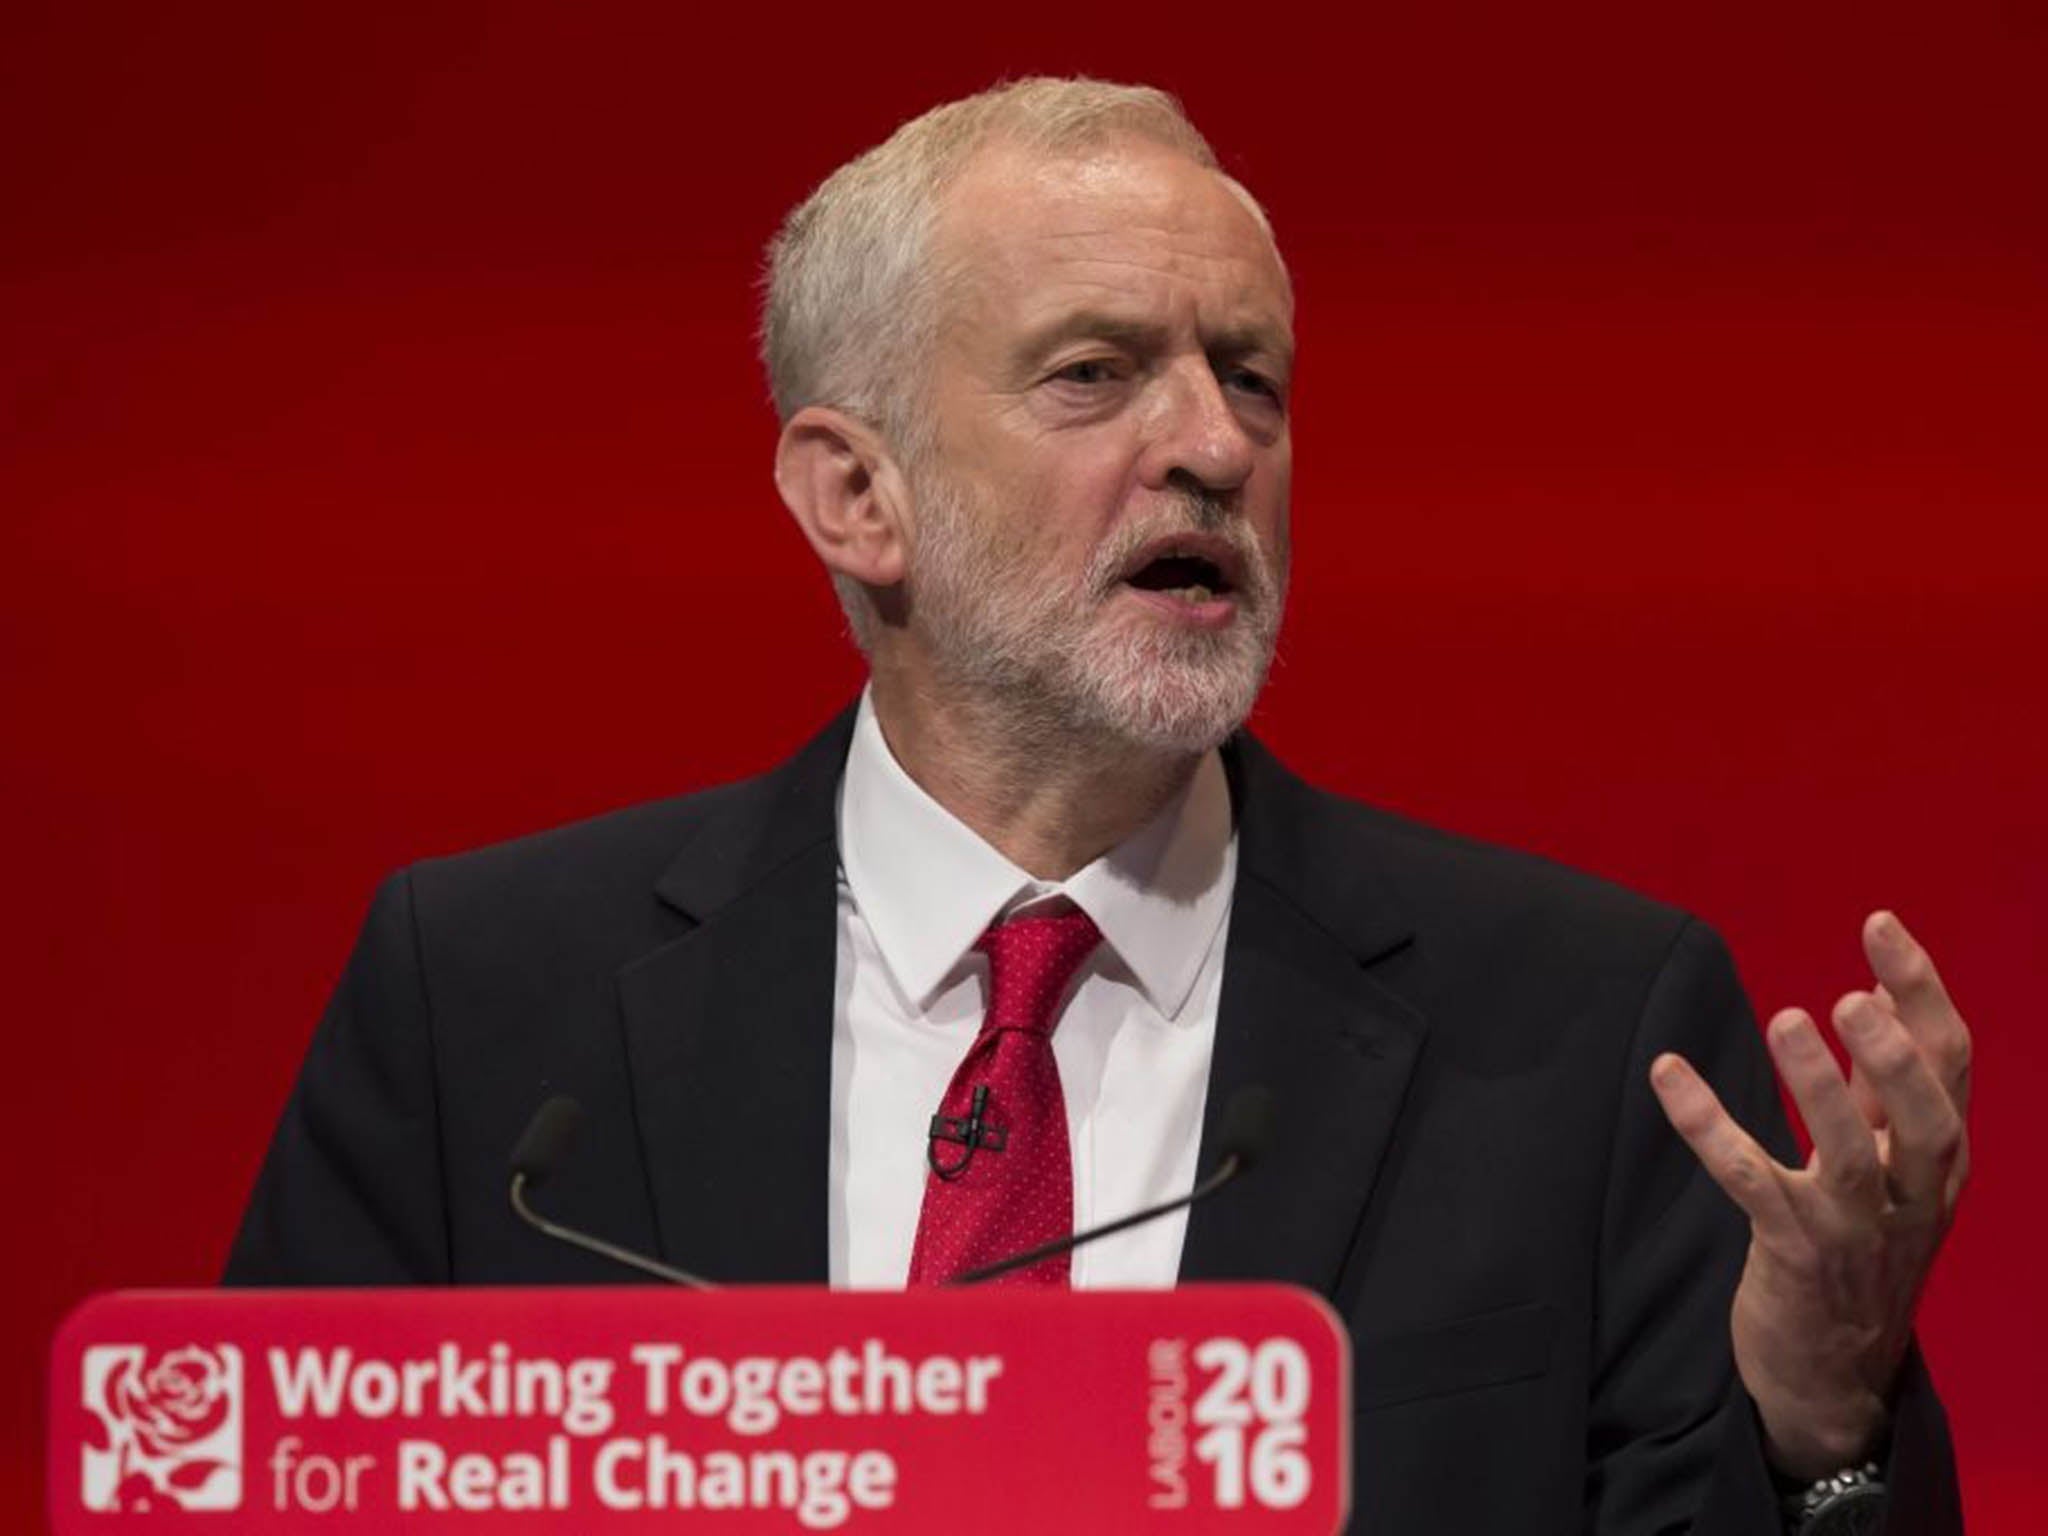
(1211, 1407)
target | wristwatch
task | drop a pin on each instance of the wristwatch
(1850, 1503)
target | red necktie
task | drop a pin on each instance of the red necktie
(1000, 1175)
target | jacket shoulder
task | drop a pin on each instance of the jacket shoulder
(694, 848)
(632, 843)
(1434, 869)
(1442, 870)
(1466, 914)
(582, 894)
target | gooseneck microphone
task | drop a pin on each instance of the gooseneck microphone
(542, 1148)
(1241, 1140)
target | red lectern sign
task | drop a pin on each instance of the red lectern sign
(1206, 1408)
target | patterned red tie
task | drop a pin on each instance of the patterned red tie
(1001, 1175)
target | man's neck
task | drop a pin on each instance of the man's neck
(1048, 802)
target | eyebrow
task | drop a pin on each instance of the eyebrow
(1124, 330)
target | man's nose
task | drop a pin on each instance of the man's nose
(1196, 434)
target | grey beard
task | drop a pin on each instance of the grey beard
(1002, 637)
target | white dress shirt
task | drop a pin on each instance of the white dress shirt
(917, 888)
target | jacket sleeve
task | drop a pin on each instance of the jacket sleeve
(351, 1192)
(1674, 1442)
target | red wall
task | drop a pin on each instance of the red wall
(383, 469)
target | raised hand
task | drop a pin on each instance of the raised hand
(1840, 1249)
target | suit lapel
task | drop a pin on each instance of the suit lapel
(729, 1030)
(1301, 1014)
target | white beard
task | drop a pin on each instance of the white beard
(1050, 656)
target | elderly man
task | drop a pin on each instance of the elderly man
(979, 964)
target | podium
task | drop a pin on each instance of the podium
(1207, 1408)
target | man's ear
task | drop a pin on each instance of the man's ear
(841, 483)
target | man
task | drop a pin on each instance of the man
(983, 960)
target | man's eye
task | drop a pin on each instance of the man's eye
(1253, 381)
(1089, 370)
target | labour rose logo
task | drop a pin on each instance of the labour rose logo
(169, 1428)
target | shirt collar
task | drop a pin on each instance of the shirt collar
(928, 886)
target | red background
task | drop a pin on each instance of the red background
(385, 471)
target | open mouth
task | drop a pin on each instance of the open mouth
(1189, 576)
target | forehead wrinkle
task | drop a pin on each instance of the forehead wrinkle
(1171, 252)
(1181, 239)
(1116, 180)
(1118, 230)
(1234, 316)
(1227, 278)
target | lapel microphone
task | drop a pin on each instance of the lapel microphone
(1241, 1140)
(541, 1149)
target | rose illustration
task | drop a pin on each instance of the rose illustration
(174, 1403)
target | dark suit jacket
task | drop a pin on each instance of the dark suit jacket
(1469, 1162)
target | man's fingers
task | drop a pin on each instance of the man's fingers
(1860, 1087)
(1912, 986)
(1844, 1147)
(1731, 1156)
(1865, 1095)
(1926, 1125)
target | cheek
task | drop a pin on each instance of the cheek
(1069, 502)
(1269, 500)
